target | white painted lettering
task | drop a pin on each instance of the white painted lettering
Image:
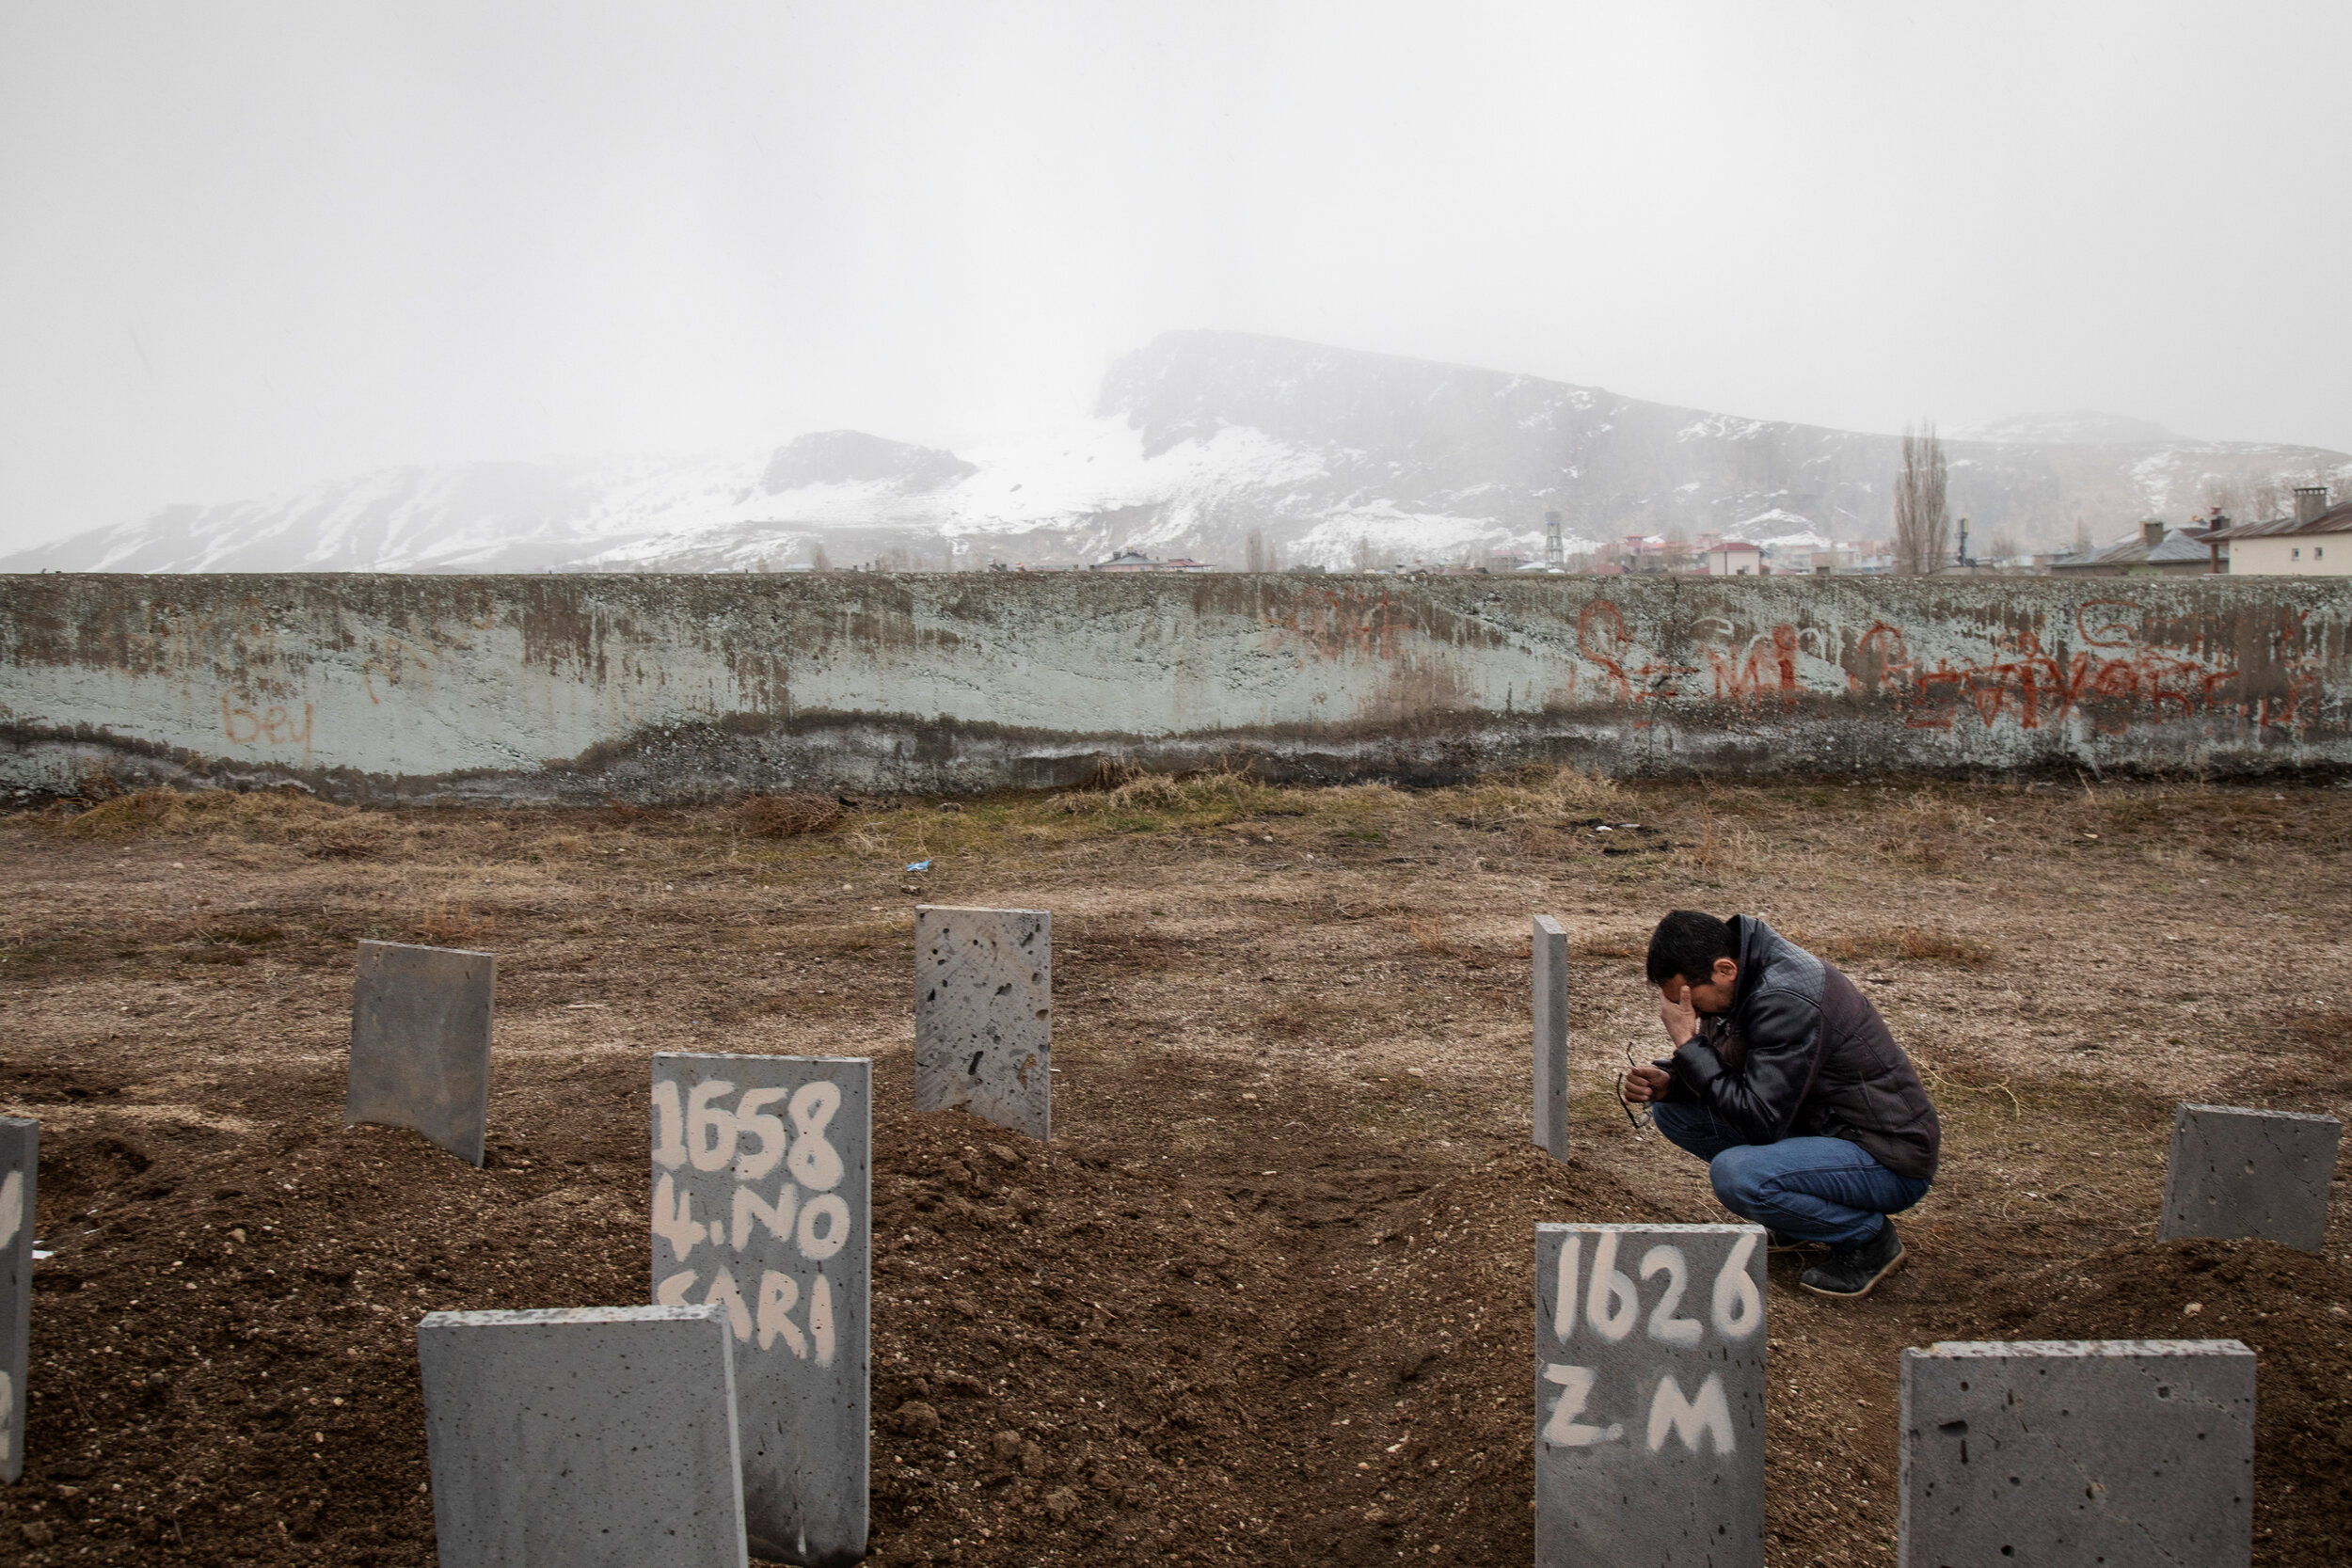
(1564, 1430)
(1710, 1414)
(1611, 1304)
(724, 1290)
(773, 1140)
(709, 1132)
(815, 1163)
(1563, 1289)
(1739, 1306)
(674, 1217)
(777, 1218)
(836, 1210)
(1663, 1324)
(669, 1126)
(820, 1320)
(778, 1294)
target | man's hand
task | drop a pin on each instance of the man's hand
(1676, 1013)
(1646, 1082)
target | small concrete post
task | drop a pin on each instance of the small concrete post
(20, 1167)
(1650, 1396)
(2078, 1452)
(421, 1043)
(1551, 1037)
(2238, 1172)
(983, 1015)
(593, 1438)
(762, 1177)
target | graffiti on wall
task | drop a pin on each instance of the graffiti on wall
(2102, 665)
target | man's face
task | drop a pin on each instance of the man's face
(1712, 997)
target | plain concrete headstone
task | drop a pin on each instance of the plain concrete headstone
(2078, 1452)
(2238, 1172)
(591, 1437)
(1650, 1396)
(19, 1169)
(762, 1185)
(1551, 1037)
(421, 1043)
(983, 1015)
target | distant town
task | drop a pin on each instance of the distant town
(2294, 545)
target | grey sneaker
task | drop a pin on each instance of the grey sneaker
(1855, 1271)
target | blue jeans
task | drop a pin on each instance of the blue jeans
(1811, 1189)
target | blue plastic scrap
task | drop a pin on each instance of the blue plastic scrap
(920, 865)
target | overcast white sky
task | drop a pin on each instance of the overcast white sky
(245, 246)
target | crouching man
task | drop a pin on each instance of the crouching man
(1784, 1078)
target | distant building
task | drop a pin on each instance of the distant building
(1136, 561)
(2316, 541)
(1730, 558)
(2158, 551)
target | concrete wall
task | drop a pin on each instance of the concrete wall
(588, 689)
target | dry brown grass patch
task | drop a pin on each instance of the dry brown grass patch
(1915, 943)
(788, 815)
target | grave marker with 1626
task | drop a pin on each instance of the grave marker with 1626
(1649, 1395)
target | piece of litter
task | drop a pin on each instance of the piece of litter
(39, 1255)
(1269, 1173)
(2192, 1308)
(920, 865)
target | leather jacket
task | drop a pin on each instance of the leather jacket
(1804, 1054)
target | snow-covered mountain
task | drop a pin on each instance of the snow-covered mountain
(1195, 442)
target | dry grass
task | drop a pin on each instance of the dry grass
(1210, 798)
(1901, 942)
(788, 815)
(1531, 795)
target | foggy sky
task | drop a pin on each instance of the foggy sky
(249, 246)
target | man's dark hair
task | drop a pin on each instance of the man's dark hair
(1686, 945)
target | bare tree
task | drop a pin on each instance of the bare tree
(818, 559)
(1260, 555)
(1923, 524)
(1363, 554)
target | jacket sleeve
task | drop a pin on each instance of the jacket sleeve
(1760, 1098)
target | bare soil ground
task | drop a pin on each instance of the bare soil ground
(1265, 1298)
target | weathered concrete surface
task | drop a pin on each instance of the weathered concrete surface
(587, 1437)
(1650, 1396)
(1551, 1096)
(688, 688)
(2239, 1172)
(983, 1015)
(2078, 1452)
(421, 1043)
(762, 1184)
(20, 1170)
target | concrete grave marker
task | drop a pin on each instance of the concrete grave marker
(1551, 1037)
(593, 1438)
(762, 1176)
(421, 1043)
(2078, 1452)
(983, 1015)
(1650, 1396)
(20, 1164)
(2238, 1172)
